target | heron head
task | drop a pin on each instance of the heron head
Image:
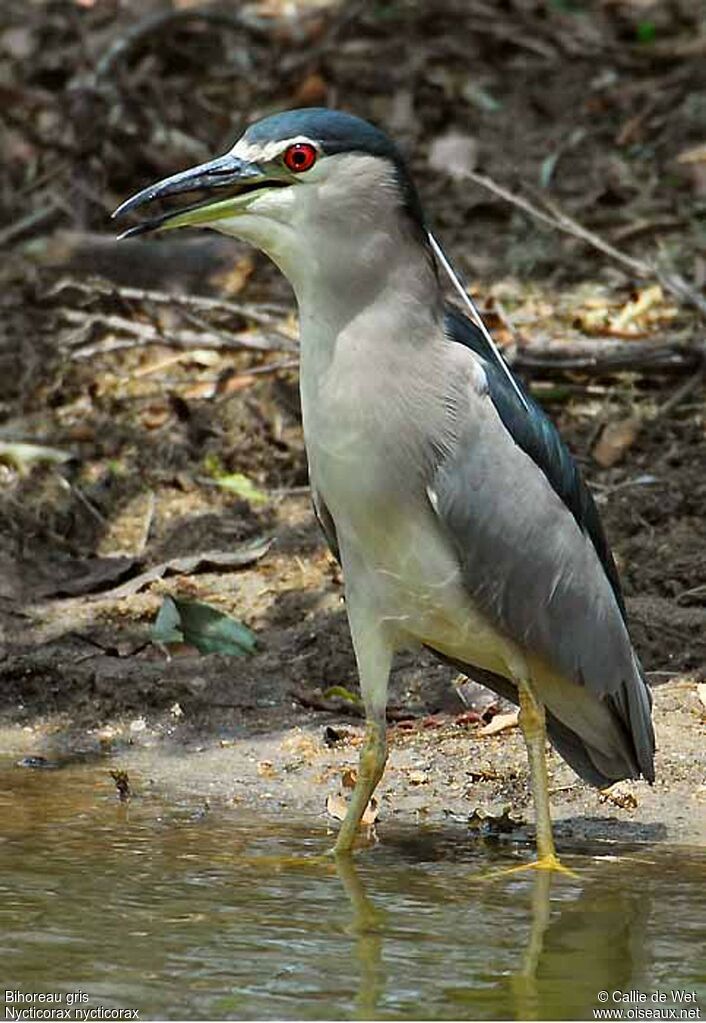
(297, 185)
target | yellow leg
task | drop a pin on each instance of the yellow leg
(524, 983)
(373, 758)
(532, 723)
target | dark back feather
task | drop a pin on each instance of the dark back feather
(535, 433)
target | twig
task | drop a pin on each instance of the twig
(42, 180)
(608, 356)
(506, 33)
(570, 226)
(146, 524)
(678, 395)
(245, 310)
(303, 491)
(693, 592)
(198, 321)
(561, 221)
(265, 369)
(682, 290)
(646, 225)
(81, 497)
(245, 554)
(150, 335)
(676, 49)
(123, 47)
(30, 220)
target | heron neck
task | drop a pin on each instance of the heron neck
(384, 283)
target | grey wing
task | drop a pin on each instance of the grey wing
(536, 573)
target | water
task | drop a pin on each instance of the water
(186, 913)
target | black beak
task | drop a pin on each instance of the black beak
(224, 173)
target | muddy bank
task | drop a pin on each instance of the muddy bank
(261, 733)
(440, 773)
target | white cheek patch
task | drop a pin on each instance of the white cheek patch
(257, 153)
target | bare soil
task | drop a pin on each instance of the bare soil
(154, 404)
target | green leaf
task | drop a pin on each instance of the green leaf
(167, 624)
(547, 168)
(22, 455)
(202, 626)
(646, 32)
(480, 98)
(238, 483)
(243, 486)
(213, 466)
(343, 694)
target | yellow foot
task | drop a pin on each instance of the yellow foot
(549, 862)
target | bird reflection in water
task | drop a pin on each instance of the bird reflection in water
(575, 947)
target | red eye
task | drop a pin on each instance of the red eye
(300, 157)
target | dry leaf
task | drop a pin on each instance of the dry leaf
(454, 153)
(233, 280)
(701, 692)
(237, 382)
(619, 796)
(644, 300)
(81, 576)
(240, 557)
(302, 745)
(497, 821)
(199, 390)
(349, 778)
(501, 722)
(127, 531)
(81, 432)
(22, 455)
(695, 154)
(615, 439)
(481, 773)
(469, 717)
(312, 91)
(18, 42)
(266, 769)
(400, 117)
(693, 160)
(155, 415)
(336, 807)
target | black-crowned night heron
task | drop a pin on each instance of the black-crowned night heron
(459, 518)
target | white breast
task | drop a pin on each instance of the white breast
(372, 438)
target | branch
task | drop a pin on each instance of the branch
(147, 334)
(561, 221)
(28, 222)
(264, 313)
(599, 357)
(134, 37)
